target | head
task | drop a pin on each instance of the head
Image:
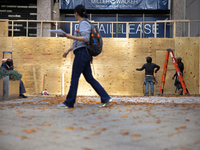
(148, 59)
(178, 59)
(80, 12)
(9, 62)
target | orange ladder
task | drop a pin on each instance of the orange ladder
(3, 56)
(162, 84)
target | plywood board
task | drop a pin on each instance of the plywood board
(188, 49)
(114, 68)
(3, 28)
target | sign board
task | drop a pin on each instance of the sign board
(134, 29)
(116, 4)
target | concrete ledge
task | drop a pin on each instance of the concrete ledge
(10, 88)
(1, 89)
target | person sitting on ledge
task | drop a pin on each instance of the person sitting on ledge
(8, 65)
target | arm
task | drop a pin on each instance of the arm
(67, 52)
(77, 38)
(141, 68)
(85, 29)
(158, 67)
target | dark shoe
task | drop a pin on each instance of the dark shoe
(180, 92)
(146, 94)
(106, 103)
(22, 96)
(152, 94)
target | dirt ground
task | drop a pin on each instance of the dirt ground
(128, 123)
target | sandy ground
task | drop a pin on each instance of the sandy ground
(129, 123)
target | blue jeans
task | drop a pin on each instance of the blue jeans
(22, 88)
(149, 80)
(82, 65)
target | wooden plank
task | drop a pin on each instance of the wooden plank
(35, 80)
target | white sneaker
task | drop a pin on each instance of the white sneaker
(106, 103)
(62, 106)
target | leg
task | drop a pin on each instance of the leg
(78, 67)
(87, 72)
(152, 86)
(22, 88)
(147, 87)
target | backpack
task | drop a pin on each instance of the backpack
(95, 45)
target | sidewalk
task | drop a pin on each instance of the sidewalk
(139, 123)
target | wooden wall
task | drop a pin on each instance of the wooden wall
(3, 28)
(40, 61)
(188, 49)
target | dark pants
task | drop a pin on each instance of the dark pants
(22, 88)
(149, 80)
(82, 65)
(177, 83)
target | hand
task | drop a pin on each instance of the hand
(65, 35)
(172, 78)
(65, 54)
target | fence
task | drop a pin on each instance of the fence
(172, 23)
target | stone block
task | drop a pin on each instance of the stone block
(1, 89)
(10, 88)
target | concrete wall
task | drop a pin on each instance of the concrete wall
(44, 12)
(193, 13)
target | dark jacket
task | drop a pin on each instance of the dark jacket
(181, 67)
(149, 68)
(4, 65)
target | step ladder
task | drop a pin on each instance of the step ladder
(3, 59)
(162, 84)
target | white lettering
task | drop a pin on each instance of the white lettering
(138, 29)
(107, 28)
(123, 29)
(101, 28)
(130, 28)
(111, 29)
(146, 29)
